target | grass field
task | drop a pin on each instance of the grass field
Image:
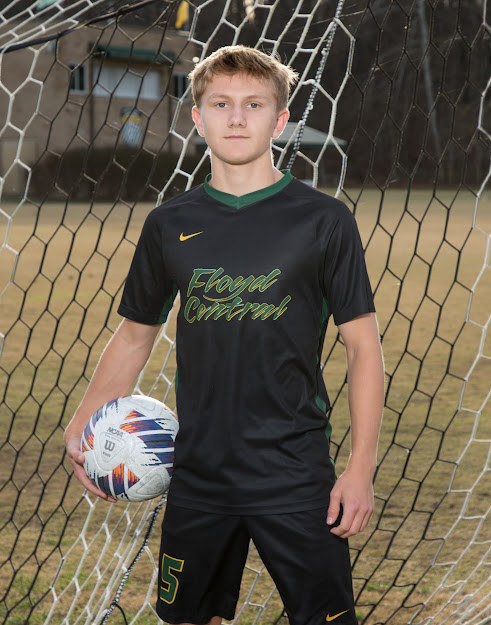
(68, 265)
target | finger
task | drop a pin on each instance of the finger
(346, 522)
(100, 493)
(354, 524)
(89, 485)
(334, 507)
(365, 516)
(78, 457)
(366, 519)
(75, 454)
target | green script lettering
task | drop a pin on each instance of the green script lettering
(240, 286)
(197, 273)
(231, 305)
(264, 282)
(282, 307)
(193, 302)
(214, 279)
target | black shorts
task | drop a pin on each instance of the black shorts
(202, 557)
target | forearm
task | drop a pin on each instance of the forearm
(122, 360)
(354, 489)
(366, 401)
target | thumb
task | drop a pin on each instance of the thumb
(74, 450)
(333, 510)
(77, 456)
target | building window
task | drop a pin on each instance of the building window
(180, 85)
(77, 78)
(123, 83)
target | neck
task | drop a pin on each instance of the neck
(242, 179)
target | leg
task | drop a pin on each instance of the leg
(309, 565)
(202, 557)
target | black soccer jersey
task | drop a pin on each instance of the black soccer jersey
(259, 276)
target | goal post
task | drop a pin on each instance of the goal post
(390, 115)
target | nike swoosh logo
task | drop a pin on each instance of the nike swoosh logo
(331, 618)
(184, 237)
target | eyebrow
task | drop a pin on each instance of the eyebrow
(252, 96)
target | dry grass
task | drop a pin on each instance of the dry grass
(60, 310)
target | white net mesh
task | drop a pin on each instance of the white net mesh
(95, 129)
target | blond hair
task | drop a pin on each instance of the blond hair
(243, 60)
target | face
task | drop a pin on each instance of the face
(238, 118)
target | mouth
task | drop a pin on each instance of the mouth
(235, 137)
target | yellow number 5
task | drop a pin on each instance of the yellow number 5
(170, 582)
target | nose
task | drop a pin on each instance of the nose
(237, 117)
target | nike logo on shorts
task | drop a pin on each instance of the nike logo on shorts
(331, 618)
(185, 237)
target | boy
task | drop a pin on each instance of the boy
(261, 262)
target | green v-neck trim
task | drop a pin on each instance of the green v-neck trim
(239, 201)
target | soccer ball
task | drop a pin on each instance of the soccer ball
(129, 447)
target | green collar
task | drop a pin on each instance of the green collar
(239, 201)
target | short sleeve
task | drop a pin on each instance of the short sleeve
(346, 284)
(149, 292)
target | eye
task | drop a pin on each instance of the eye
(254, 105)
(221, 105)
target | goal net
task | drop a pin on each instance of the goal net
(389, 115)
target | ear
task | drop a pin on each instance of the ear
(197, 121)
(281, 119)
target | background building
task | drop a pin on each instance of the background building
(113, 86)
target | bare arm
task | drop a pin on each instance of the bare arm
(354, 488)
(122, 360)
